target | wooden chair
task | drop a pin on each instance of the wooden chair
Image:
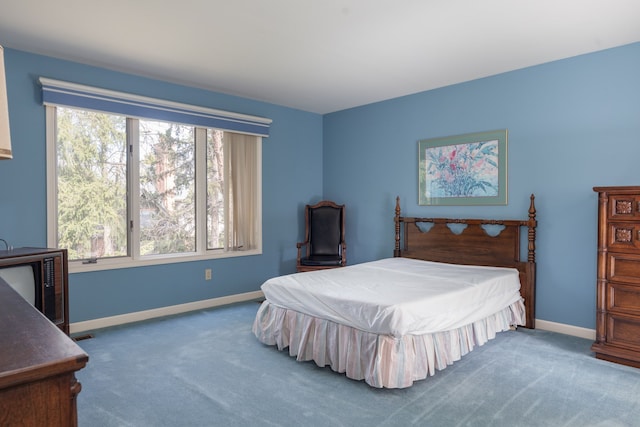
(324, 244)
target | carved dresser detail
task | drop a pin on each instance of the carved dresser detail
(618, 276)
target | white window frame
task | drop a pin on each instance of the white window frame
(134, 259)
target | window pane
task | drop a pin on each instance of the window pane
(167, 188)
(215, 189)
(91, 159)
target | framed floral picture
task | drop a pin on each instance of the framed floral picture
(468, 169)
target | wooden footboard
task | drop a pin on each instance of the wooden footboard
(490, 242)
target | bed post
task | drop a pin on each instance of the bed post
(396, 251)
(531, 224)
(530, 302)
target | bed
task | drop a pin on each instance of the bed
(451, 285)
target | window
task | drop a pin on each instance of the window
(167, 186)
(127, 190)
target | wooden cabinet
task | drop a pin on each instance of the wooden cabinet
(37, 366)
(618, 275)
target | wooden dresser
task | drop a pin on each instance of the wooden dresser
(618, 275)
(37, 366)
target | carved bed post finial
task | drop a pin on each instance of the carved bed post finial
(532, 231)
(396, 251)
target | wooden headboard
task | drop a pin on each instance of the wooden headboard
(491, 242)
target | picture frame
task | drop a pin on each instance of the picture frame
(460, 170)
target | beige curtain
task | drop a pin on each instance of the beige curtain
(241, 159)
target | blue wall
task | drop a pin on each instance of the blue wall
(292, 177)
(573, 124)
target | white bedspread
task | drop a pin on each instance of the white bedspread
(398, 296)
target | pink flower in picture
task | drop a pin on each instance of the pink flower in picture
(462, 170)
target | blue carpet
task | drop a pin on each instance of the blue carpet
(207, 369)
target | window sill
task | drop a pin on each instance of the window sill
(127, 262)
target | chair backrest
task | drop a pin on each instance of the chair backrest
(326, 228)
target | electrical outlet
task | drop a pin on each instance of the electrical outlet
(207, 274)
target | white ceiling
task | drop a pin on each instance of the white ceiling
(317, 55)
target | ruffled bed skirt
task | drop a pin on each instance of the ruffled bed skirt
(379, 360)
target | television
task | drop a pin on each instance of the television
(40, 277)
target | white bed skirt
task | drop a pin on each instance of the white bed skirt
(379, 360)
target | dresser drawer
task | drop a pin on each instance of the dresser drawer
(623, 331)
(623, 237)
(624, 268)
(624, 207)
(623, 298)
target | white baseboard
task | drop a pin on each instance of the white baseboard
(562, 328)
(105, 322)
(90, 325)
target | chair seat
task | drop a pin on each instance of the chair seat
(322, 260)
